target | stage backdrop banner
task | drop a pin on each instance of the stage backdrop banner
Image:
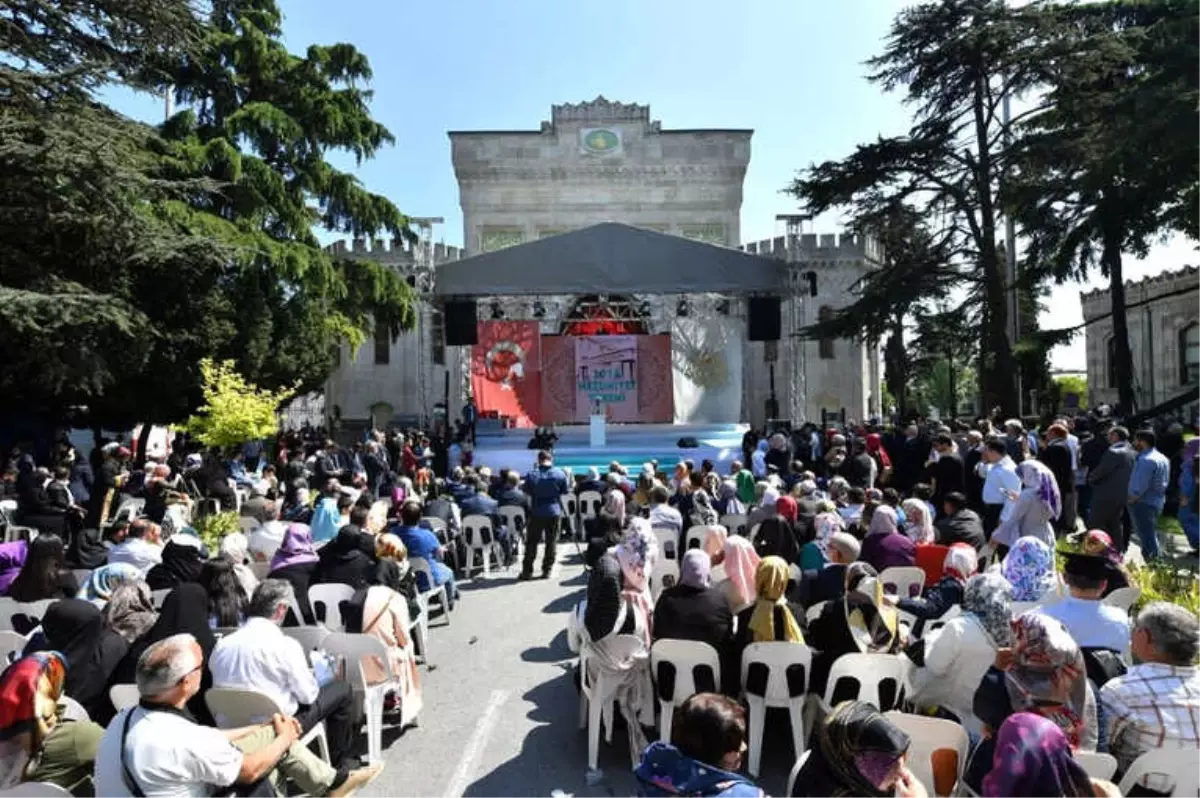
(506, 370)
(606, 377)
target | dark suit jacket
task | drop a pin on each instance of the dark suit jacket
(950, 476)
(965, 526)
(1110, 483)
(1057, 457)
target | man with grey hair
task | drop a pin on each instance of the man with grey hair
(1156, 704)
(156, 748)
(260, 657)
(829, 582)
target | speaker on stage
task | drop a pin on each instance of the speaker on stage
(460, 318)
(765, 318)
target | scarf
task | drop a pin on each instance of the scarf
(827, 524)
(12, 559)
(788, 508)
(875, 449)
(857, 749)
(702, 509)
(695, 569)
(771, 579)
(29, 692)
(637, 552)
(296, 548)
(962, 561)
(130, 611)
(741, 567)
(103, 581)
(745, 487)
(1029, 568)
(236, 546)
(181, 563)
(714, 541)
(917, 523)
(614, 505)
(1038, 479)
(76, 629)
(731, 502)
(1033, 757)
(988, 597)
(871, 622)
(1048, 675)
(883, 522)
(603, 598)
(770, 497)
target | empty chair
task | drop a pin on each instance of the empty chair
(326, 601)
(871, 672)
(124, 696)
(234, 707)
(668, 542)
(1096, 764)
(736, 524)
(681, 669)
(354, 648)
(590, 502)
(479, 537)
(694, 539)
(1123, 597)
(927, 737)
(515, 520)
(775, 674)
(571, 507)
(905, 581)
(665, 574)
(11, 646)
(1170, 771)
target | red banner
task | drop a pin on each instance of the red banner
(506, 371)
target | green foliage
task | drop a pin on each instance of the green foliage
(1163, 582)
(234, 410)
(212, 529)
(1072, 383)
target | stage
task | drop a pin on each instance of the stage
(631, 445)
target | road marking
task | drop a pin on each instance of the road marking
(479, 738)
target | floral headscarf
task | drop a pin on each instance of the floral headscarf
(1033, 757)
(961, 562)
(1036, 478)
(1029, 568)
(637, 553)
(827, 523)
(130, 610)
(917, 523)
(988, 597)
(1048, 675)
(741, 565)
(702, 508)
(1098, 544)
(29, 693)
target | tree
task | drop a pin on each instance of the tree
(1065, 384)
(234, 410)
(956, 61)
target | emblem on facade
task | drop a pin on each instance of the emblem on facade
(600, 141)
(505, 364)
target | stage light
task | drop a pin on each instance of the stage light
(497, 312)
(644, 309)
(681, 309)
(539, 310)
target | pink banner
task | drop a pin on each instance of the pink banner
(606, 377)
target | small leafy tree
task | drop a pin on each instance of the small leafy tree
(234, 410)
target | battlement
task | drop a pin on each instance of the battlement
(397, 251)
(1169, 282)
(813, 246)
(599, 110)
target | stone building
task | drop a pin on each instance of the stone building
(1164, 338)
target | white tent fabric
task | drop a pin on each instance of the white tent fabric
(706, 358)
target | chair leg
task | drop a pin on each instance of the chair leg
(583, 710)
(796, 714)
(664, 722)
(375, 728)
(595, 708)
(758, 711)
(606, 709)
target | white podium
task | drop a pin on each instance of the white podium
(597, 430)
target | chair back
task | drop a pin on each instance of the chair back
(905, 581)
(1123, 597)
(22, 618)
(309, 637)
(928, 736)
(37, 789)
(796, 768)
(776, 671)
(421, 565)
(814, 612)
(694, 539)
(931, 558)
(933, 624)
(734, 523)
(870, 671)
(665, 574)
(157, 597)
(571, 506)
(1096, 764)
(72, 709)
(514, 519)
(477, 531)
(124, 696)
(326, 601)
(1170, 771)
(683, 668)
(668, 543)
(754, 532)
(590, 502)
(232, 707)
(354, 647)
(436, 524)
(11, 646)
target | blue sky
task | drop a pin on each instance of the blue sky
(790, 69)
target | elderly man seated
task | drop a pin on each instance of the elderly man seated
(155, 748)
(1157, 703)
(1094, 625)
(260, 657)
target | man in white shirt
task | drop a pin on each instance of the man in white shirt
(1000, 479)
(142, 547)
(260, 657)
(1092, 623)
(156, 749)
(663, 515)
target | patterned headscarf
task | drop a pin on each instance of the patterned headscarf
(130, 610)
(883, 522)
(104, 580)
(917, 523)
(1048, 675)
(771, 580)
(827, 523)
(1029, 568)
(1036, 478)
(961, 562)
(1097, 543)
(741, 566)
(988, 597)
(694, 569)
(857, 751)
(702, 508)
(637, 553)
(871, 621)
(1033, 757)
(29, 693)
(614, 505)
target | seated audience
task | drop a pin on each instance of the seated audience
(826, 523)
(37, 741)
(226, 599)
(637, 554)
(130, 611)
(259, 656)
(348, 559)
(727, 502)
(959, 524)
(769, 619)
(693, 609)
(956, 657)
(104, 580)
(708, 743)
(295, 561)
(857, 751)
(960, 565)
(382, 613)
(75, 628)
(918, 521)
(1092, 623)
(423, 543)
(885, 546)
(703, 513)
(861, 621)
(1156, 704)
(45, 574)
(740, 562)
(663, 515)
(1029, 568)
(776, 536)
(1033, 759)
(330, 513)
(765, 509)
(142, 546)
(140, 752)
(829, 582)
(12, 559)
(605, 529)
(182, 559)
(235, 547)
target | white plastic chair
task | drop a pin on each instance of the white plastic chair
(789, 668)
(354, 648)
(124, 696)
(694, 539)
(12, 530)
(1123, 597)
(684, 656)
(260, 569)
(72, 709)
(515, 520)
(870, 671)
(814, 612)
(10, 643)
(233, 708)
(309, 637)
(32, 610)
(597, 693)
(735, 524)
(479, 536)
(668, 543)
(796, 768)
(590, 502)
(420, 565)
(1162, 767)
(35, 789)
(330, 597)
(754, 532)
(932, 625)
(571, 506)
(1096, 764)
(664, 575)
(904, 578)
(158, 597)
(129, 510)
(929, 735)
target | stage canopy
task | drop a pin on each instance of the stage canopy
(612, 258)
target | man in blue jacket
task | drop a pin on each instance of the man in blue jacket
(546, 486)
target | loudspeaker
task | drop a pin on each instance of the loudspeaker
(764, 318)
(460, 318)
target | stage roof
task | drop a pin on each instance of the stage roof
(612, 258)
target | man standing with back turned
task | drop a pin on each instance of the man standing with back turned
(546, 485)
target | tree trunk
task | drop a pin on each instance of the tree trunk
(895, 365)
(1123, 360)
(143, 444)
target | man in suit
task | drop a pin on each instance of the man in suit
(1110, 487)
(1059, 459)
(971, 461)
(476, 501)
(948, 474)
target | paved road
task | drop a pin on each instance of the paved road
(501, 711)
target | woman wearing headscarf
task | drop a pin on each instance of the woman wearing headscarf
(130, 611)
(857, 751)
(1037, 507)
(728, 502)
(957, 656)
(918, 523)
(960, 565)
(235, 547)
(1029, 568)
(765, 508)
(182, 559)
(103, 581)
(12, 558)
(1097, 543)
(703, 513)
(36, 742)
(1033, 759)
(637, 553)
(76, 629)
(883, 463)
(777, 538)
(884, 545)
(45, 574)
(745, 488)
(606, 528)
(87, 549)
(295, 560)
(741, 565)
(382, 613)
(826, 523)
(695, 610)
(861, 621)
(342, 560)
(714, 545)
(770, 619)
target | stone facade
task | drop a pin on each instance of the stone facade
(1164, 338)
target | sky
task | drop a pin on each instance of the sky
(793, 70)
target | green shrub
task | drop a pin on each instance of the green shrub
(213, 528)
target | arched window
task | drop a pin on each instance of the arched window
(1189, 354)
(1110, 361)
(825, 344)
